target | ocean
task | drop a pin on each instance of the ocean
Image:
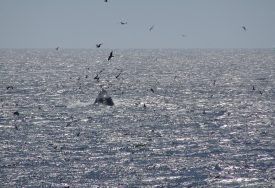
(181, 118)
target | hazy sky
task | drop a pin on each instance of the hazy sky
(83, 23)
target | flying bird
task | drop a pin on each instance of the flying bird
(101, 71)
(9, 87)
(123, 23)
(16, 113)
(110, 56)
(118, 74)
(99, 45)
(244, 28)
(151, 28)
(214, 82)
(96, 77)
(105, 1)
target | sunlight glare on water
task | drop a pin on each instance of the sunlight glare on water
(181, 118)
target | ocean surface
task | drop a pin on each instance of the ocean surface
(182, 118)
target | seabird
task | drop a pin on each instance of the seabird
(16, 113)
(110, 56)
(105, 1)
(151, 28)
(57, 48)
(119, 72)
(96, 77)
(98, 45)
(68, 124)
(118, 75)
(123, 23)
(244, 28)
(101, 71)
(9, 87)
(152, 90)
(214, 82)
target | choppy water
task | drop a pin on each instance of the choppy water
(203, 126)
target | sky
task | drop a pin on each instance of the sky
(177, 23)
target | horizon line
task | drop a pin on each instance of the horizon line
(131, 48)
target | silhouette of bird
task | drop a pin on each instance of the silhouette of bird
(57, 48)
(151, 28)
(244, 28)
(9, 87)
(96, 77)
(110, 56)
(68, 124)
(78, 134)
(98, 45)
(118, 75)
(253, 88)
(16, 113)
(214, 82)
(123, 23)
(152, 90)
(105, 1)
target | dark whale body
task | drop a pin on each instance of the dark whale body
(104, 98)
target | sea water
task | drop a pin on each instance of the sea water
(181, 118)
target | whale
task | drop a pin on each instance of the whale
(104, 98)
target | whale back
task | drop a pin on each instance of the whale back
(104, 98)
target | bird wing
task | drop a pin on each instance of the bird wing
(110, 56)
